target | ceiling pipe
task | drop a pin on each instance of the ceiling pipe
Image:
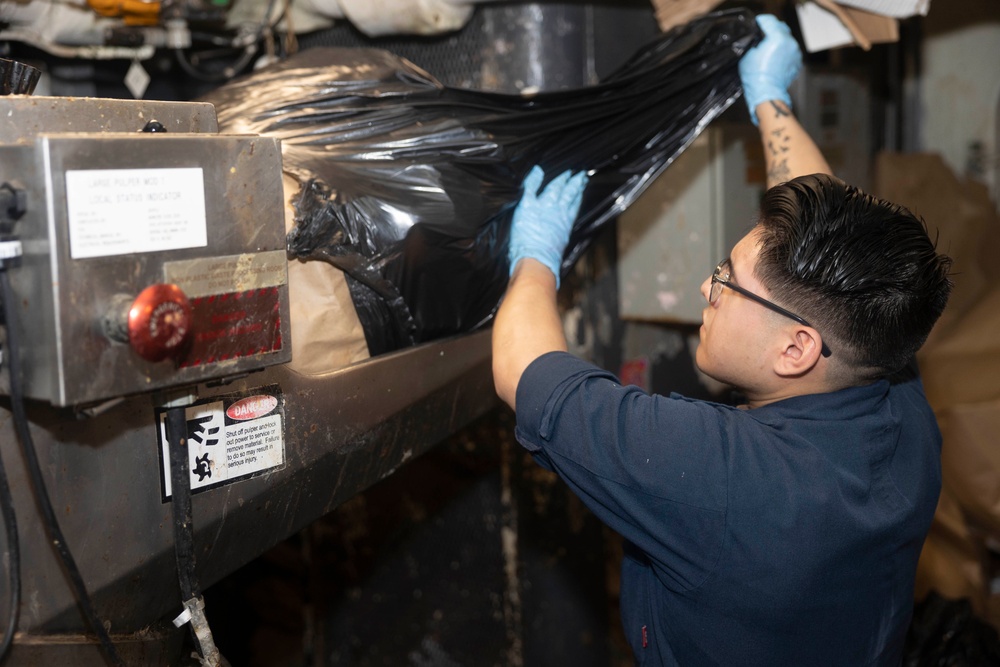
(377, 18)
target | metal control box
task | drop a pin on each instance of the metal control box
(150, 260)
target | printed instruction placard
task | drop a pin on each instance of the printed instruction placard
(229, 438)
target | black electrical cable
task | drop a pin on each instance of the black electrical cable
(180, 492)
(248, 53)
(38, 482)
(13, 560)
(180, 497)
(214, 77)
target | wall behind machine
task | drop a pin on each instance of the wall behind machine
(959, 89)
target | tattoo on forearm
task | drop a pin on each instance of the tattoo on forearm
(777, 149)
(780, 109)
(778, 145)
(776, 158)
(778, 172)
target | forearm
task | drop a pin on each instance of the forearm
(789, 151)
(526, 327)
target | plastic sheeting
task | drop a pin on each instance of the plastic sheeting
(408, 186)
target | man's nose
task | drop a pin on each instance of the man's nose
(706, 287)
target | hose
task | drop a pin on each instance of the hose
(38, 481)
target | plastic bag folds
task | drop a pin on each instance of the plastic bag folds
(408, 185)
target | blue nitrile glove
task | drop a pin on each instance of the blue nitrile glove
(768, 69)
(542, 222)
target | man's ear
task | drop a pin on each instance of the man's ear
(801, 350)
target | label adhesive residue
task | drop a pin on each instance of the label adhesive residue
(230, 438)
(123, 211)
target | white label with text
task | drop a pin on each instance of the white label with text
(124, 211)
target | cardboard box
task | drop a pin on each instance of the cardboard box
(826, 24)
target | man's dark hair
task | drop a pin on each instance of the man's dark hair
(862, 270)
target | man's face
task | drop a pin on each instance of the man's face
(735, 330)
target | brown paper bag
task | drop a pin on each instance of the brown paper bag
(670, 13)
(970, 461)
(958, 211)
(960, 365)
(951, 561)
(326, 332)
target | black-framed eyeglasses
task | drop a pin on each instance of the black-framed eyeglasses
(720, 278)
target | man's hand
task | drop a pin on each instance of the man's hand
(528, 324)
(542, 221)
(768, 69)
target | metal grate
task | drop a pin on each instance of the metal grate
(454, 60)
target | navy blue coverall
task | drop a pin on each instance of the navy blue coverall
(782, 535)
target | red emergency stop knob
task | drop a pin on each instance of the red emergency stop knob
(159, 322)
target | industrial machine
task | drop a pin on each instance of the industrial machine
(171, 441)
(210, 40)
(153, 437)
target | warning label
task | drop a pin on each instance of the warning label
(123, 211)
(253, 445)
(229, 438)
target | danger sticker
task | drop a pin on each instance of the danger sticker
(251, 408)
(229, 438)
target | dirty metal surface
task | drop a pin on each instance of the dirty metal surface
(342, 432)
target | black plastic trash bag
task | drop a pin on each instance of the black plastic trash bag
(946, 633)
(408, 185)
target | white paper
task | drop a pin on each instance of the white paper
(899, 9)
(821, 29)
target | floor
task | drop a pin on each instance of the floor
(471, 555)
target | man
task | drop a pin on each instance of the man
(785, 531)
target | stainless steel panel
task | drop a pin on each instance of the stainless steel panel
(343, 432)
(22, 118)
(244, 216)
